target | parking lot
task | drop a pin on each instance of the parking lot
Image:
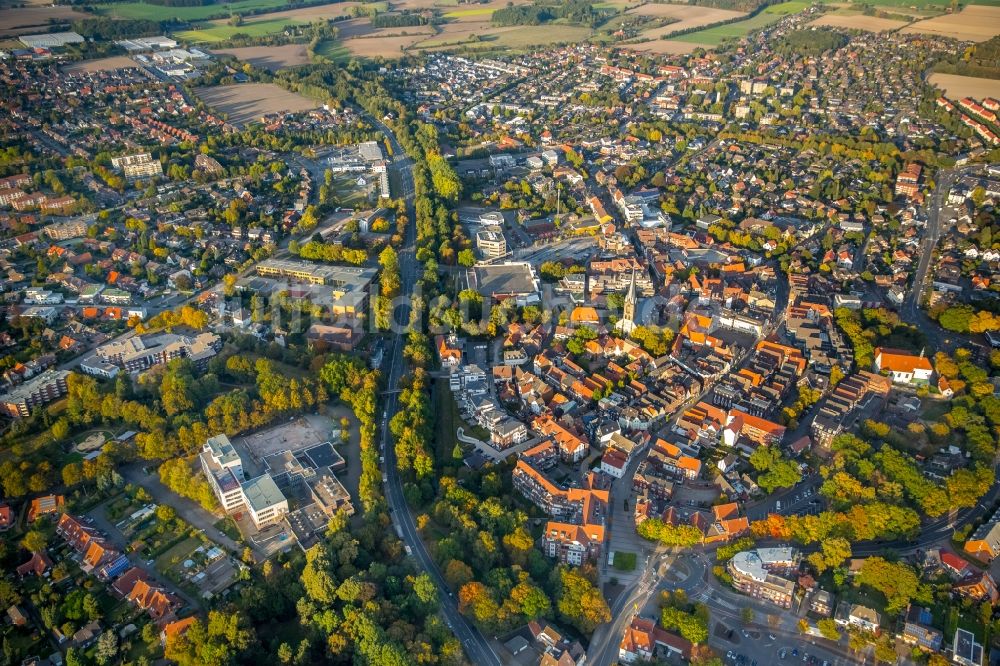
(803, 499)
(769, 648)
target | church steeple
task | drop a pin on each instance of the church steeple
(627, 322)
(630, 301)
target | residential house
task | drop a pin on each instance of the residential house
(903, 368)
(647, 641)
(858, 616)
(984, 543)
(917, 629)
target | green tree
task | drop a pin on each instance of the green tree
(579, 602)
(828, 628)
(35, 541)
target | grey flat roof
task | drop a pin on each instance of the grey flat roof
(515, 278)
(262, 492)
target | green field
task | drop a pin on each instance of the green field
(460, 13)
(717, 35)
(220, 31)
(142, 10)
(333, 50)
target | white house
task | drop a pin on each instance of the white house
(903, 368)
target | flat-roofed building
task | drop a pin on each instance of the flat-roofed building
(140, 165)
(224, 470)
(303, 271)
(51, 40)
(965, 650)
(491, 243)
(329, 494)
(515, 280)
(264, 501)
(142, 352)
(754, 574)
(40, 390)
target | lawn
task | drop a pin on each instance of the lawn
(624, 561)
(168, 562)
(141, 10)
(228, 527)
(717, 35)
(220, 31)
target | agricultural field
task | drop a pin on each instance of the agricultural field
(388, 46)
(666, 47)
(142, 10)
(957, 87)
(423, 4)
(271, 58)
(477, 13)
(488, 38)
(100, 64)
(919, 4)
(717, 35)
(220, 30)
(27, 20)
(268, 24)
(324, 12)
(975, 23)
(457, 33)
(333, 50)
(363, 28)
(688, 16)
(858, 22)
(247, 102)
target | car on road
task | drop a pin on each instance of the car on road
(772, 637)
(782, 653)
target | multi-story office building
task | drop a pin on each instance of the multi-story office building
(491, 243)
(224, 470)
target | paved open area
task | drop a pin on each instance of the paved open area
(300, 433)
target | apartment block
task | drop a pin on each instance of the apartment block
(41, 390)
(140, 353)
(491, 243)
(756, 573)
(577, 532)
(140, 165)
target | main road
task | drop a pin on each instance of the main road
(475, 644)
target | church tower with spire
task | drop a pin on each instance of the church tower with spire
(627, 322)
